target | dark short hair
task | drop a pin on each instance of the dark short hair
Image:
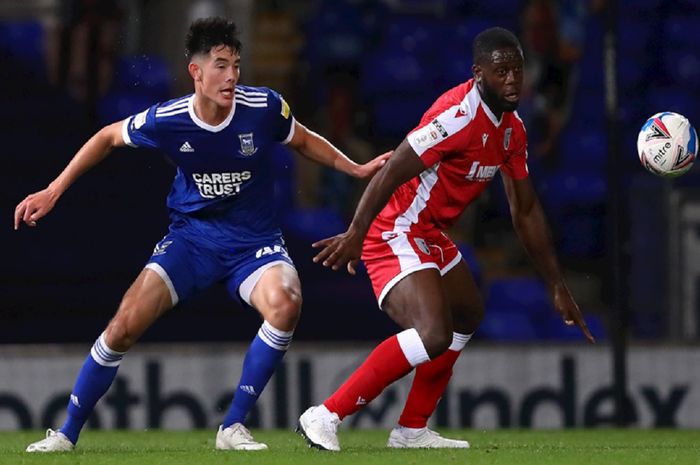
(206, 33)
(492, 39)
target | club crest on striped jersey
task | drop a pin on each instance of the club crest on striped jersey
(506, 138)
(247, 145)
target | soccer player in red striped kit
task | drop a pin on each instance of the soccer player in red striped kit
(468, 135)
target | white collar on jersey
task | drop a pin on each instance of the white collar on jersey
(219, 127)
(473, 100)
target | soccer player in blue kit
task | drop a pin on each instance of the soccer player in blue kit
(222, 227)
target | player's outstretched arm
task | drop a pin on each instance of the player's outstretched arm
(317, 148)
(346, 248)
(531, 226)
(39, 204)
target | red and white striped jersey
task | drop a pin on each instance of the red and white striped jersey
(463, 146)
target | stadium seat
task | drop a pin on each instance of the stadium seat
(681, 31)
(582, 232)
(143, 74)
(23, 41)
(470, 257)
(507, 325)
(673, 98)
(455, 64)
(526, 295)
(392, 71)
(684, 64)
(313, 224)
(395, 116)
(419, 36)
(118, 105)
(584, 150)
(570, 188)
(551, 327)
(335, 36)
(283, 169)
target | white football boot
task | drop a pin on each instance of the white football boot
(237, 437)
(422, 438)
(55, 441)
(320, 428)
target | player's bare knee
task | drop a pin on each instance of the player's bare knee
(436, 339)
(284, 308)
(118, 337)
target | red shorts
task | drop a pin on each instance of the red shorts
(390, 256)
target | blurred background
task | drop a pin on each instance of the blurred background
(361, 73)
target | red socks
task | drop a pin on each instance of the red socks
(383, 366)
(428, 386)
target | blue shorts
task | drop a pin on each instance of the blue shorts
(188, 264)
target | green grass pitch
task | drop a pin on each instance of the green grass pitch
(360, 447)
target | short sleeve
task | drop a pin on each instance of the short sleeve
(282, 118)
(435, 138)
(140, 130)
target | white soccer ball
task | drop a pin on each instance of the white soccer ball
(667, 144)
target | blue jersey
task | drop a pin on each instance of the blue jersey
(223, 189)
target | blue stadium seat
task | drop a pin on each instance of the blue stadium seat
(632, 73)
(395, 116)
(552, 327)
(118, 105)
(673, 98)
(584, 150)
(648, 6)
(455, 65)
(23, 41)
(634, 36)
(283, 169)
(581, 233)
(524, 295)
(507, 325)
(419, 36)
(313, 224)
(391, 71)
(684, 66)
(682, 31)
(143, 74)
(565, 189)
(464, 31)
(470, 257)
(335, 36)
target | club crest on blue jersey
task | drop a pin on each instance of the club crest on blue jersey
(247, 146)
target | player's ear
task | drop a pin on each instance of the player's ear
(195, 71)
(476, 71)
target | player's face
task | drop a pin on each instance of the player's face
(500, 79)
(218, 74)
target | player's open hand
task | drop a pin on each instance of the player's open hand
(368, 169)
(338, 251)
(568, 309)
(34, 207)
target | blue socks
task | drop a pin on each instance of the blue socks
(93, 381)
(100, 368)
(265, 353)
